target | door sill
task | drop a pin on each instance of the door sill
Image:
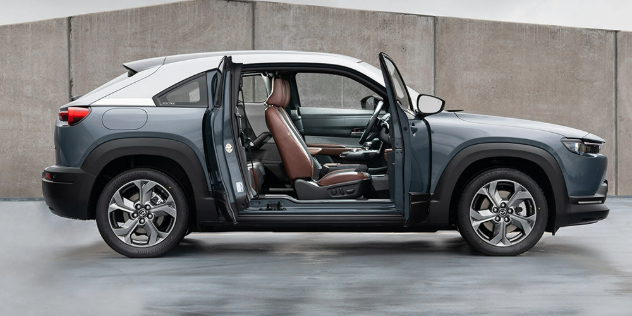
(268, 197)
(286, 209)
(260, 218)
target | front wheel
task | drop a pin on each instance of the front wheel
(142, 213)
(502, 212)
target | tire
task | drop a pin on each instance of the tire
(519, 209)
(140, 225)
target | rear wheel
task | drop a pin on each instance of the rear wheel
(142, 213)
(502, 212)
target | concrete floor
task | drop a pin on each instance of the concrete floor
(55, 266)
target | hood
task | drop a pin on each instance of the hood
(534, 125)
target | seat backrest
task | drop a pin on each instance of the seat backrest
(297, 161)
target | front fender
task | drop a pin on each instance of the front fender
(443, 202)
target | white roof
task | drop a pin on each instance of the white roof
(157, 74)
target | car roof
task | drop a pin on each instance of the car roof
(148, 77)
(253, 56)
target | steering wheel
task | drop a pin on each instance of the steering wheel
(372, 129)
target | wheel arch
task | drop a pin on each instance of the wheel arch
(169, 156)
(533, 161)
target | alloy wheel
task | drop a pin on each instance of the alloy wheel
(503, 213)
(142, 213)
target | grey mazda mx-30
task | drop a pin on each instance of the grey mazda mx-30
(298, 141)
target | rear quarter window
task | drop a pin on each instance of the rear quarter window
(192, 92)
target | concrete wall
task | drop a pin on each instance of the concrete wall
(539, 72)
(576, 77)
(34, 82)
(100, 43)
(408, 39)
(623, 122)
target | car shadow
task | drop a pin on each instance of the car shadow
(193, 247)
(206, 246)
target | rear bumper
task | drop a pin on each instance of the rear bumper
(67, 191)
(582, 210)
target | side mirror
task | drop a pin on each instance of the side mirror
(429, 104)
(369, 102)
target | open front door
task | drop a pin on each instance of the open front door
(225, 152)
(411, 172)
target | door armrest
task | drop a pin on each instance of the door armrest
(314, 150)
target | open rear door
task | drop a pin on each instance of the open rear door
(410, 191)
(224, 149)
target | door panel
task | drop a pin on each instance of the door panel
(223, 146)
(330, 122)
(344, 141)
(411, 192)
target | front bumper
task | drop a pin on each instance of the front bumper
(582, 210)
(67, 191)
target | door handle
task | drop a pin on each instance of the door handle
(413, 128)
(357, 133)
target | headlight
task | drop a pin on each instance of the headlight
(581, 147)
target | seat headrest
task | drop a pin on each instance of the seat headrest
(280, 95)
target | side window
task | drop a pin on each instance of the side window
(254, 89)
(190, 93)
(330, 91)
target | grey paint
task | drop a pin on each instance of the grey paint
(74, 143)
(451, 134)
(124, 119)
(225, 148)
(420, 147)
(512, 122)
(57, 266)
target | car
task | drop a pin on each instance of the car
(300, 141)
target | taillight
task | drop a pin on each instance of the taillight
(63, 116)
(73, 115)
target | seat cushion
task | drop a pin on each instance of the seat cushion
(341, 176)
(332, 166)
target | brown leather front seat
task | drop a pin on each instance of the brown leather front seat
(298, 163)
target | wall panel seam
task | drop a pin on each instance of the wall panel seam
(69, 52)
(616, 112)
(434, 57)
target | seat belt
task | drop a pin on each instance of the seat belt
(247, 140)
